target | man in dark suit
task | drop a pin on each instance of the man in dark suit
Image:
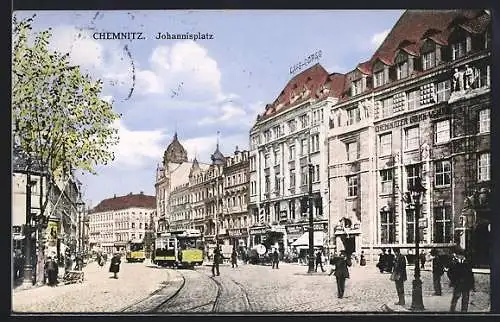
(341, 271)
(437, 271)
(461, 279)
(399, 275)
(217, 259)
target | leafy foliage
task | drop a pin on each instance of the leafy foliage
(58, 115)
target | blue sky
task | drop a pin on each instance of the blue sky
(219, 84)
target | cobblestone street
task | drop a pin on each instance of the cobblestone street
(98, 293)
(247, 288)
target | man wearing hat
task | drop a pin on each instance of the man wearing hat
(461, 279)
(437, 271)
(399, 276)
(341, 271)
(52, 270)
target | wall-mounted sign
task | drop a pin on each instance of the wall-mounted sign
(294, 230)
(435, 113)
(257, 231)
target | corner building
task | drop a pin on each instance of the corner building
(288, 137)
(420, 107)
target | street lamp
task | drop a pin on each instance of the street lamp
(28, 228)
(416, 191)
(80, 207)
(311, 221)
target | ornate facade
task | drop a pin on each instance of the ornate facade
(285, 140)
(420, 107)
(235, 218)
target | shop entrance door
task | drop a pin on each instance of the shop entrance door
(349, 244)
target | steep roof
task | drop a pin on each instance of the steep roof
(128, 201)
(413, 24)
(314, 82)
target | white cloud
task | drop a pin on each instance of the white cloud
(229, 112)
(90, 55)
(378, 38)
(184, 70)
(79, 44)
(137, 147)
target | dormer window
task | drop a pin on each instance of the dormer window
(428, 60)
(458, 49)
(378, 79)
(357, 87)
(402, 70)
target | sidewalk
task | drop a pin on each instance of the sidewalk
(98, 292)
(478, 302)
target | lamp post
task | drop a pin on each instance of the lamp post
(80, 207)
(416, 191)
(28, 229)
(311, 221)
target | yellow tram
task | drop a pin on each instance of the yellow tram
(182, 248)
(135, 251)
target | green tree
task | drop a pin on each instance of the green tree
(58, 115)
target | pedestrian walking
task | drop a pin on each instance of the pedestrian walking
(390, 261)
(461, 279)
(382, 259)
(341, 271)
(319, 261)
(52, 270)
(99, 259)
(422, 259)
(114, 267)
(362, 259)
(437, 271)
(18, 263)
(399, 275)
(217, 259)
(67, 260)
(234, 258)
(275, 258)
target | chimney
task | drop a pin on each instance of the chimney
(130, 193)
(114, 196)
(142, 192)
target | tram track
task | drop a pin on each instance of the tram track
(192, 297)
(154, 300)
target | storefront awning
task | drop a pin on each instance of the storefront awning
(319, 237)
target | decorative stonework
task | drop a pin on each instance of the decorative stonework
(399, 101)
(427, 94)
(376, 110)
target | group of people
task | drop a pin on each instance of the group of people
(459, 271)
